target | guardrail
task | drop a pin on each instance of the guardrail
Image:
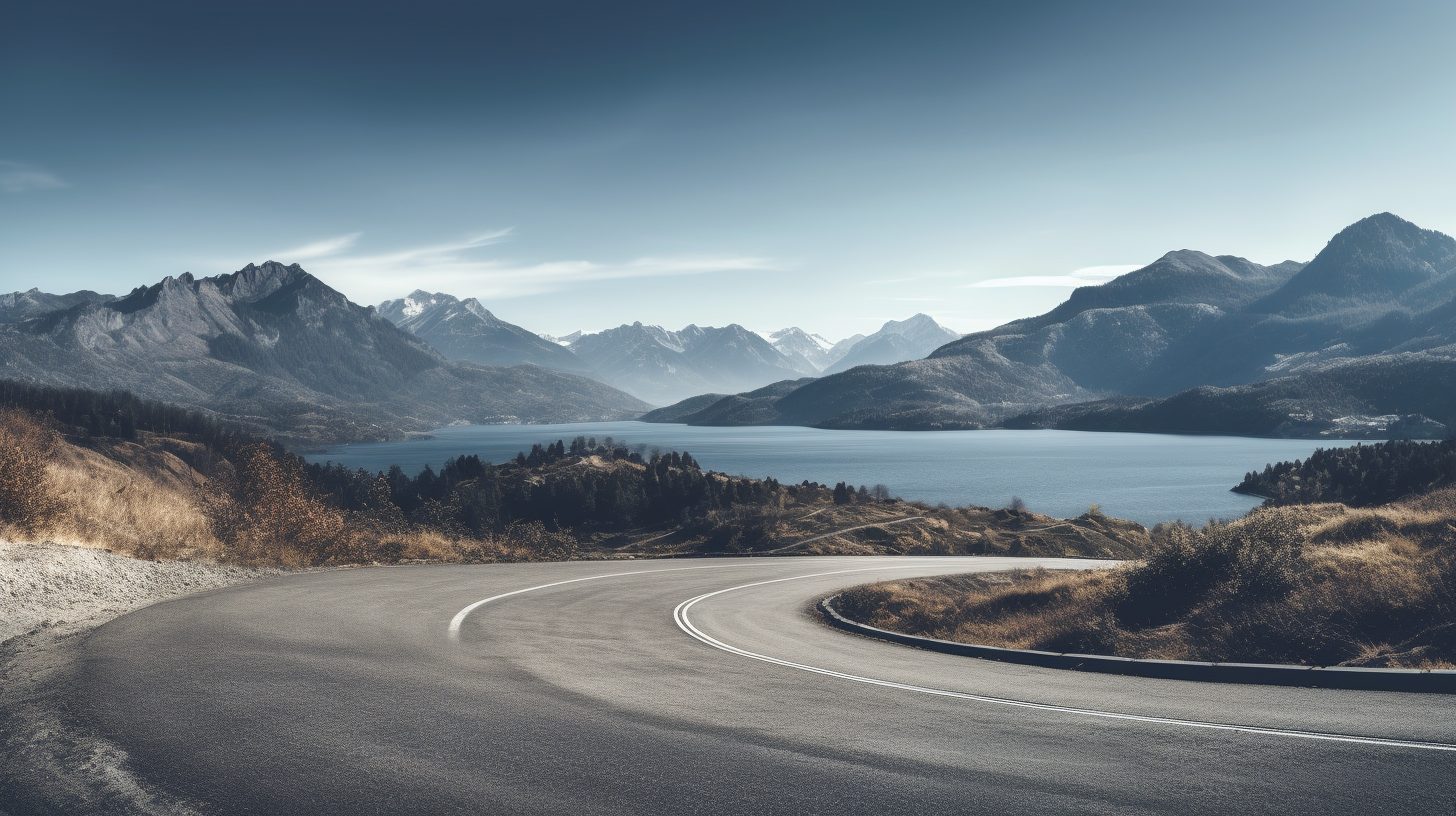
(1335, 677)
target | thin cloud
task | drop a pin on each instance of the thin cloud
(1086, 276)
(18, 177)
(320, 249)
(455, 267)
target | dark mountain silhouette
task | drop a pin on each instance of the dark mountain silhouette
(466, 331)
(1398, 396)
(275, 348)
(1383, 291)
(757, 407)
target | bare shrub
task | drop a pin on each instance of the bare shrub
(27, 496)
(1318, 585)
(285, 522)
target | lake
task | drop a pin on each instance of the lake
(1144, 477)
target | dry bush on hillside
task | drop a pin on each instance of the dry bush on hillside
(1317, 584)
(282, 521)
(27, 496)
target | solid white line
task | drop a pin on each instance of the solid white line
(459, 619)
(680, 615)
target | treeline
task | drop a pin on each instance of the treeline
(252, 501)
(1360, 476)
(588, 487)
(118, 414)
(192, 486)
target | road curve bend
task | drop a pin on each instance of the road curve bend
(703, 687)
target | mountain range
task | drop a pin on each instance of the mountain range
(662, 366)
(1359, 341)
(274, 348)
(895, 342)
(1296, 349)
(650, 362)
(466, 331)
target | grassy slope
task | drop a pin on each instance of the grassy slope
(169, 497)
(1317, 584)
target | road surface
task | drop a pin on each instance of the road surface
(696, 687)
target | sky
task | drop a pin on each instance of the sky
(578, 165)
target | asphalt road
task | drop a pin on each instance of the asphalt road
(347, 693)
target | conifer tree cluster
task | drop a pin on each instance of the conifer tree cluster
(1360, 476)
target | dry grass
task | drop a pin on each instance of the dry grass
(146, 500)
(1318, 585)
(146, 507)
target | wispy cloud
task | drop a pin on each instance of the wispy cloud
(1086, 276)
(456, 267)
(320, 249)
(19, 177)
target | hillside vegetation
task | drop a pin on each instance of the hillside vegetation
(1360, 476)
(1319, 584)
(157, 481)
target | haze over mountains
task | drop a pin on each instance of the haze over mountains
(274, 347)
(658, 365)
(896, 341)
(1354, 339)
(1359, 341)
(465, 330)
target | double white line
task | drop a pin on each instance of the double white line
(680, 615)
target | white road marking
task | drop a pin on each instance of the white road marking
(680, 615)
(459, 619)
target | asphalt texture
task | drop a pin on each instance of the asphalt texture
(345, 693)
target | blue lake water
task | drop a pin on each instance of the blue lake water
(1144, 477)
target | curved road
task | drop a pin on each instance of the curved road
(698, 687)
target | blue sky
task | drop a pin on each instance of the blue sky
(827, 165)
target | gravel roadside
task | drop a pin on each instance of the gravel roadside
(51, 596)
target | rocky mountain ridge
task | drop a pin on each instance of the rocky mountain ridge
(274, 348)
(465, 331)
(663, 366)
(1382, 289)
(897, 341)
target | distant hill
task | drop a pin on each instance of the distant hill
(1397, 396)
(466, 331)
(663, 366)
(17, 306)
(1382, 294)
(895, 342)
(757, 407)
(274, 348)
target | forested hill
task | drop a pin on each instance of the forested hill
(1360, 476)
(1385, 397)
